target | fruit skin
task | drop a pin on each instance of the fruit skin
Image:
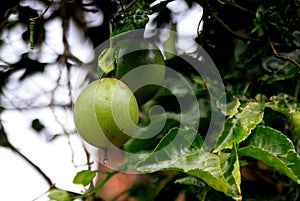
(104, 112)
(295, 121)
(135, 53)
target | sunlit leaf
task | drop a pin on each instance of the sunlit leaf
(84, 177)
(189, 180)
(231, 170)
(240, 126)
(279, 69)
(174, 147)
(106, 60)
(145, 136)
(283, 103)
(59, 195)
(181, 150)
(231, 108)
(99, 184)
(294, 118)
(275, 150)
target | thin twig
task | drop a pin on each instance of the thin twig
(216, 17)
(241, 37)
(38, 169)
(38, 197)
(43, 13)
(234, 4)
(281, 55)
(15, 150)
(5, 20)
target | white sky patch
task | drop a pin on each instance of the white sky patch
(53, 44)
(14, 45)
(53, 158)
(16, 175)
(39, 6)
(80, 46)
(187, 18)
(177, 6)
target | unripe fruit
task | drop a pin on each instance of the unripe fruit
(295, 121)
(141, 62)
(105, 112)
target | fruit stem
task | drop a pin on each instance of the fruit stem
(110, 33)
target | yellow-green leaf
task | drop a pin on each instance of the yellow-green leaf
(84, 177)
(240, 126)
(106, 60)
(59, 195)
(275, 150)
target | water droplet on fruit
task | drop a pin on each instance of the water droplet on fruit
(105, 157)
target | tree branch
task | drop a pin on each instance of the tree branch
(216, 17)
(281, 55)
(38, 169)
(241, 37)
(5, 20)
(15, 150)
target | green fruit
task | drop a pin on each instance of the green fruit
(105, 112)
(295, 121)
(140, 62)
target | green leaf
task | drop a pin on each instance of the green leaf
(280, 69)
(106, 60)
(174, 146)
(84, 177)
(181, 150)
(231, 170)
(190, 117)
(59, 195)
(132, 160)
(240, 49)
(231, 108)
(274, 149)
(283, 103)
(189, 180)
(294, 118)
(99, 185)
(145, 136)
(239, 127)
(135, 16)
(170, 49)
